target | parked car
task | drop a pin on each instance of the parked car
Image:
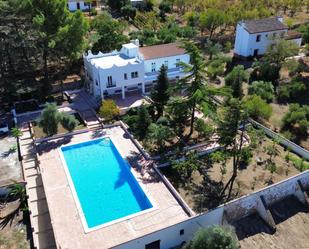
(4, 127)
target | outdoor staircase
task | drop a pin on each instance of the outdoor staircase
(43, 236)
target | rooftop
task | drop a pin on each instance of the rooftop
(118, 60)
(263, 25)
(163, 50)
(65, 218)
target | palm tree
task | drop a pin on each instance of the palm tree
(16, 133)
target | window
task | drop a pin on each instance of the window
(177, 62)
(96, 82)
(266, 35)
(166, 64)
(258, 38)
(274, 35)
(153, 67)
(134, 75)
(182, 232)
(153, 245)
(255, 52)
(110, 81)
(282, 34)
(125, 76)
(78, 5)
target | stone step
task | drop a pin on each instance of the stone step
(30, 171)
(38, 207)
(44, 240)
(41, 223)
(36, 194)
(34, 181)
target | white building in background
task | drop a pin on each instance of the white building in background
(133, 68)
(254, 36)
(74, 5)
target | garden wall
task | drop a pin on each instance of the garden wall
(172, 236)
(283, 141)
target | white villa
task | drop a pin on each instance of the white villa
(74, 5)
(133, 68)
(254, 36)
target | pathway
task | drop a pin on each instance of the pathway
(43, 236)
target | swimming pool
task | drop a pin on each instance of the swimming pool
(102, 183)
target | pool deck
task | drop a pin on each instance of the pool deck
(66, 222)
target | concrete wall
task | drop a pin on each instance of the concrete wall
(282, 140)
(73, 5)
(160, 61)
(170, 236)
(246, 43)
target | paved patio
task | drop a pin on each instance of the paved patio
(133, 99)
(65, 219)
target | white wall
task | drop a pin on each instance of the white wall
(171, 62)
(117, 74)
(73, 5)
(170, 237)
(246, 43)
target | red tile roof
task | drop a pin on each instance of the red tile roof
(163, 50)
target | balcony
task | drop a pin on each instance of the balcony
(111, 84)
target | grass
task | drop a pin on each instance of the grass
(298, 162)
(38, 131)
(251, 177)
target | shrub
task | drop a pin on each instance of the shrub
(214, 237)
(235, 80)
(49, 119)
(142, 122)
(227, 47)
(298, 163)
(93, 12)
(68, 122)
(203, 128)
(246, 155)
(256, 107)
(296, 119)
(263, 89)
(291, 91)
(109, 110)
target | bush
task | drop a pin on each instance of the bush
(203, 128)
(49, 119)
(298, 163)
(93, 12)
(245, 156)
(109, 110)
(68, 122)
(256, 107)
(291, 91)
(296, 119)
(227, 47)
(214, 237)
(263, 89)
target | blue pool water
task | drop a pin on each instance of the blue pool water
(104, 184)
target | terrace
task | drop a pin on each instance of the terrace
(64, 214)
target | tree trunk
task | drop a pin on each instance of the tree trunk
(192, 118)
(46, 79)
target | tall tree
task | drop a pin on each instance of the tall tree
(211, 20)
(18, 53)
(231, 118)
(143, 121)
(235, 80)
(161, 94)
(61, 32)
(177, 111)
(195, 86)
(108, 32)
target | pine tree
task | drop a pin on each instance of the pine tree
(143, 122)
(160, 94)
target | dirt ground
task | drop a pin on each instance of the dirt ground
(14, 234)
(249, 179)
(10, 169)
